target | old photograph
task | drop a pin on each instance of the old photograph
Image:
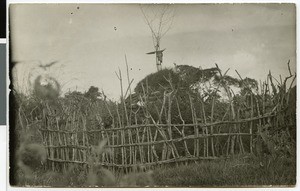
(152, 95)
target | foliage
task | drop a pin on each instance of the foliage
(188, 85)
(157, 81)
(192, 74)
(93, 93)
(46, 88)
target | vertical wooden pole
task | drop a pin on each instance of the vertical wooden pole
(131, 149)
(51, 149)
(206, 129)
(148, 145)
(140, 147)
(143, 150)
(251, 126)
(241, 145)
(187, 152)
(196, 131)
(113, 149)
(151, 146)
(211, 127)
(125, 151)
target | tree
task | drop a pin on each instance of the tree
(159, 19)
(93, 93)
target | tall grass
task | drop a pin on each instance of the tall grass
(234, 172)
(238, 171)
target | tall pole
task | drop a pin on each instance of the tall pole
(157, 53)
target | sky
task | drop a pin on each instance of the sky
(90, 41)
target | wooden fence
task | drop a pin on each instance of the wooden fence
(147, 136)
(147, 145)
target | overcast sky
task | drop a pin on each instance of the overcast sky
(90, 41)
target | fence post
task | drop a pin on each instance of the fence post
(251, 126)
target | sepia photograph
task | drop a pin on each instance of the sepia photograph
(152, 95)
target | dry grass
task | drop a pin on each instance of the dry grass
(239, 171)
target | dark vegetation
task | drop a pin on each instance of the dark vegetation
(186, 84)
